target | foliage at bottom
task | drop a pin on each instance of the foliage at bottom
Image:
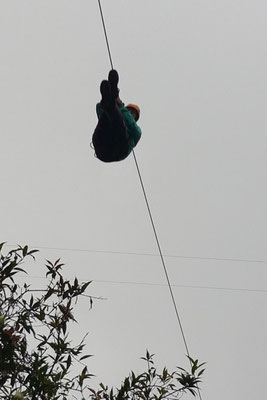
(37, 355)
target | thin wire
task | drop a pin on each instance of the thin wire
(161, 255)
(148, 254)
(151, 218)
(164, 266)
(231, 289)
(105, 33)
(83, 295)
(181, 286)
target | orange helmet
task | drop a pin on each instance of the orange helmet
(135, 107)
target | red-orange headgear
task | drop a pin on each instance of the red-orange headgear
(134, 107)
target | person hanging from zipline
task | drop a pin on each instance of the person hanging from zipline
(116, 133)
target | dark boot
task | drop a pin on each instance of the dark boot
(113, 78)
(107, 102)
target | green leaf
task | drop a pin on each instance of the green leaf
(84, 357)
(69, 361)
(1, 245)
(84, 371)
(85, 285)
(164, 374)
(194, 367)
(201, 372)
(25, 251)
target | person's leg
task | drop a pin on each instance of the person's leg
(102, 139)
(109, 104)
(118, 121)
(107, 101)
(113, 79)
(110, 138)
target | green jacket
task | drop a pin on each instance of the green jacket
(132, 128)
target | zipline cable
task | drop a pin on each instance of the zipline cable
(161, 255)
(163, 264)
(105, 33)
(148, 206)
(150, 215)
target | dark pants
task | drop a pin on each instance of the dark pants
(110, 138)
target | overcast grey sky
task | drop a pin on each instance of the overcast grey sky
(198, 72)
